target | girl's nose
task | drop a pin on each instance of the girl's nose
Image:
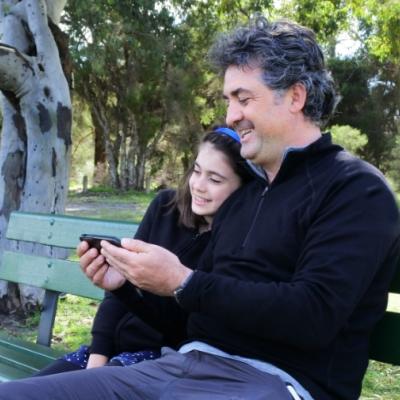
(199, 183)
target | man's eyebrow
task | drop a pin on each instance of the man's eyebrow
(236, 92)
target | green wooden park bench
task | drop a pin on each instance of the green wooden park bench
(51, 272)
(19, 359)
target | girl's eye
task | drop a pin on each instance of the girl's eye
(213, 180)
(196, 171)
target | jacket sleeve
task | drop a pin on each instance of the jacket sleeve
(109, 313)
(111, 310)
(352, 238)
(161, 313)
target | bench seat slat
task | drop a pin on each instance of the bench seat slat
(62, 230)
(58, 275)
(32, 348)
(10, 373)
(19, 359)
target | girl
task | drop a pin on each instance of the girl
(180, 221)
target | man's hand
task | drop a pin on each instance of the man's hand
(97, 269)
(147, 266)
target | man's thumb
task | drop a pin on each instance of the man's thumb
(138, 246)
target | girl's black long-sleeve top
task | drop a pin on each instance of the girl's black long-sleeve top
(115, 328)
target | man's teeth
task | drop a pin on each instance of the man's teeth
(245, 132)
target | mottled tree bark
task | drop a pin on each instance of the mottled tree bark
(36, 132)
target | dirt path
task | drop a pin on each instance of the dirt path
(80, 207)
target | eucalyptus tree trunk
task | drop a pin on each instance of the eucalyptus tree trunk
(98, 113)
(36, 131)
(128, 152)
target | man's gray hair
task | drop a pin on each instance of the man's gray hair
(287, 53)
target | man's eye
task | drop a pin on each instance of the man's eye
(244, 100)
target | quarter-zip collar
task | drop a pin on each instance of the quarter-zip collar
(294, 155)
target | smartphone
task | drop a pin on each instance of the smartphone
(94, 240)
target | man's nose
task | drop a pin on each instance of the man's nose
(234, 114)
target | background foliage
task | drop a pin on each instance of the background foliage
(144, 92)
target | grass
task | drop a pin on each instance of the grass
(114, 196)
(382, 381)
(72, 325)
(109, 204)
(75, 314)
(73, 321)
(124, 215)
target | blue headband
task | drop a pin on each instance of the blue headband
(228, 132)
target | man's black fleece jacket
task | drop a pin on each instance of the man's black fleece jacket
(297, 272)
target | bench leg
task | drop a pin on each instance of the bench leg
(48, 315)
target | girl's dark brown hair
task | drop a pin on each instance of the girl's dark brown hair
(183, 199)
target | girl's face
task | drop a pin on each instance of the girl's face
(212, 181)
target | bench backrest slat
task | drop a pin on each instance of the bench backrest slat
(52, 274)
(385, 340)
(395, 285)
(62, 231)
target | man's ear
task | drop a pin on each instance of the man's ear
(298, 97)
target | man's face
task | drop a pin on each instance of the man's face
(259, 115)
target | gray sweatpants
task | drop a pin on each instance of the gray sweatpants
(193, 375)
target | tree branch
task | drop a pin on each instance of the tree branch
(54, 9)
(48, 55)
(36, 13)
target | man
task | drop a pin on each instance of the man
(300, 260)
